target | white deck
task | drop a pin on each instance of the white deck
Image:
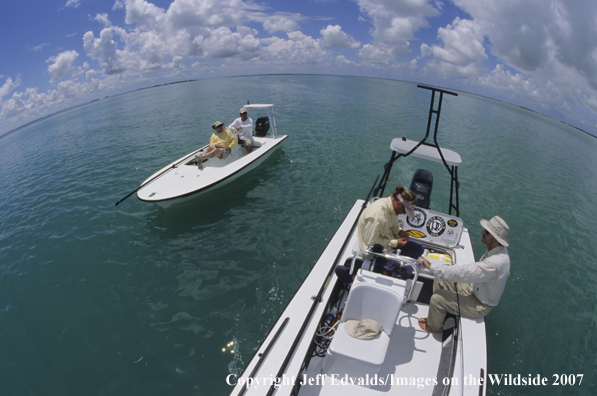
(413, 356)
(180, 179)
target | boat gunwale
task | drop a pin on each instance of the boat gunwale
(279, 139)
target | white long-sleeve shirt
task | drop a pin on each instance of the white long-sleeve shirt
(488, 276)
(246, 130)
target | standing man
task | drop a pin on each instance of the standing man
(481, 284)
(244, 127)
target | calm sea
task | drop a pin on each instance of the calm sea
(139, 300)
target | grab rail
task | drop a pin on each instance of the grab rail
(403, 260)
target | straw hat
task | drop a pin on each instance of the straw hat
(498, 228)
(365, 329)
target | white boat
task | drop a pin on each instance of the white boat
(182, 178)
(308, 351)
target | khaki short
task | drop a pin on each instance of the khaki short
(225, 153)
(245, 142)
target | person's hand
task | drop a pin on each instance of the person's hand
(404, 235)
(400, 242)
(238, 128)
(425, 262)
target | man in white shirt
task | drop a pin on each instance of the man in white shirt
(244, 127)
(480, 284)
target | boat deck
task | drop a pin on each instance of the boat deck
(410, 350)
(412, 362)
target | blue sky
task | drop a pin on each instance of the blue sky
(541, 54)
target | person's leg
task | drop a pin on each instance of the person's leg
(209, 153)
(445, 300)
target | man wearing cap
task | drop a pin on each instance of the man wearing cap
(244, 127)
(480, 285)
(378, 224)
(220, 144)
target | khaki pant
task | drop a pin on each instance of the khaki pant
(444, 300)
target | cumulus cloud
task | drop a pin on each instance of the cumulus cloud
(9, 85)
(333, 36)
(541, 52)
(61, 64)
(281, 23)
(394, 25)
(299, 49)
(463, 52)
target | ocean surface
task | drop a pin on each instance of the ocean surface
(140, 300)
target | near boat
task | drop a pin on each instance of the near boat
(182, 178)
(308, 351)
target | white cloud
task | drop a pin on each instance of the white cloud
(299, 49)
(281, 23)
(377, 54)
(333, 36)
(223, 43)
(463, 52)
(395, 24)
(9, 85)
(39, 47)
(61, 64)
(526, 50)
(73, 3)
(104, 50)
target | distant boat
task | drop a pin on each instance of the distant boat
(308, 351)
(183, 179)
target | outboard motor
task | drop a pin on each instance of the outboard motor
(262, 126)
(421, 185)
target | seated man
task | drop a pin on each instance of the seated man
(378, 224)
(220, 144)
(483, 282)
(244, 127)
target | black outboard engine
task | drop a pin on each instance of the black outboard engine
(262, 126)
(421, 185)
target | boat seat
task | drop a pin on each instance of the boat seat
(368, 265)
(356, 357)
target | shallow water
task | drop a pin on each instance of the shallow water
(136, 299)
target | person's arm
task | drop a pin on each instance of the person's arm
(213, 140)
(483, 271)
(371, 233)
(232, 139)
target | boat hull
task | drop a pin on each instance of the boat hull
(182, 179)
(286, 354)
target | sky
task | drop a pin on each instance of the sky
(539, 54)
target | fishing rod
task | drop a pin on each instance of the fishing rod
(161, 173)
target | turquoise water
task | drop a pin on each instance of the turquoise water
(140, 300)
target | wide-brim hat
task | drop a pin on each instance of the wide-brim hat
(365, 329)
(217, 124)
(498, 228)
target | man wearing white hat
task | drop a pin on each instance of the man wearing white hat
(244, 127)
(480, 285)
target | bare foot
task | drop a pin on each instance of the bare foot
(423, 325)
